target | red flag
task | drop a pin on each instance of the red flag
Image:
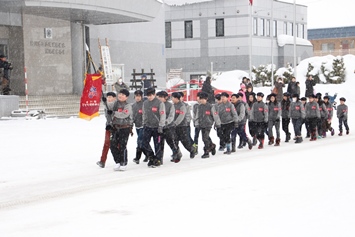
(250, 2)
(91, 97)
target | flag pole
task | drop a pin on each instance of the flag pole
(294, 40)
(250, 38)
(272, 42)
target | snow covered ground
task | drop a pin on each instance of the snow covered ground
(51, 186)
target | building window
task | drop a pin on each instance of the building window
(255, 26)
(290, 28)
(261, 27)
(285, 28)
(268, 28)
(219, 27)
(303, 30)
(274, 29)
(188, 29)
(167, 34)
(328, 47)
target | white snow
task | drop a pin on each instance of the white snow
(283, 40)
(51, 186)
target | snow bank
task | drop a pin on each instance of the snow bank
(282, 40)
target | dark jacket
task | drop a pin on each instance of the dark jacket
(240, 108)
(122, 114)
(154, 113)
(279, 86)
(206, 115)
(206, 87)
(137, 110)
(274, 111)
(259, 112)
(342, 111)
(292, 88)
(227, 113)
(145, 85)
(285, 108)
(312, 110)
(180, 115)
(309, 87)
(297, 110)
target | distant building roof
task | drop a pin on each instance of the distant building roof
(329, 33)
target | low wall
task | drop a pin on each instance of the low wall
(8, 103)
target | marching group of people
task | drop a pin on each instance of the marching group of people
(154, 116)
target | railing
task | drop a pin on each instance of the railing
(336, 52)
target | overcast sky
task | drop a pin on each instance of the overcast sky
(321, 13)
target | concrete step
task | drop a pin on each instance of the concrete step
(55, 106)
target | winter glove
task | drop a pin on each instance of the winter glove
(104, 99)
(160, 130)
(109, 112)
(277, 120)
(236, 124)
(109, 127)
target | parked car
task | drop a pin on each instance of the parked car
(194, 89)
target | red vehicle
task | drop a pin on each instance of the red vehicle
(194, 89)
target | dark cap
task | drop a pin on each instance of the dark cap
(312, 96)
(296, 95)
(111, 93)
(326, 97)
(3, 56)
(303, 99)
(273, 94)
(225, 94)
(162, 94)
(150, 91)
(138, 92)
(125, 92)
(286, 94)
(342, 99)
(144, 76)
(260, 94)
(235, 95)
(203, 95)
(176, 95)
(217, 97)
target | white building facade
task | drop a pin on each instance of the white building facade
(221, 35)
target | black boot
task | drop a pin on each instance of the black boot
(250, 144)
(233, 146)
(205, 154)
(271, 140)
(176, 156)
(288, 137)
(261, 144)
(152, 163)
(255, 141)
(240, 146)
(213, 149)
(138, 155)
